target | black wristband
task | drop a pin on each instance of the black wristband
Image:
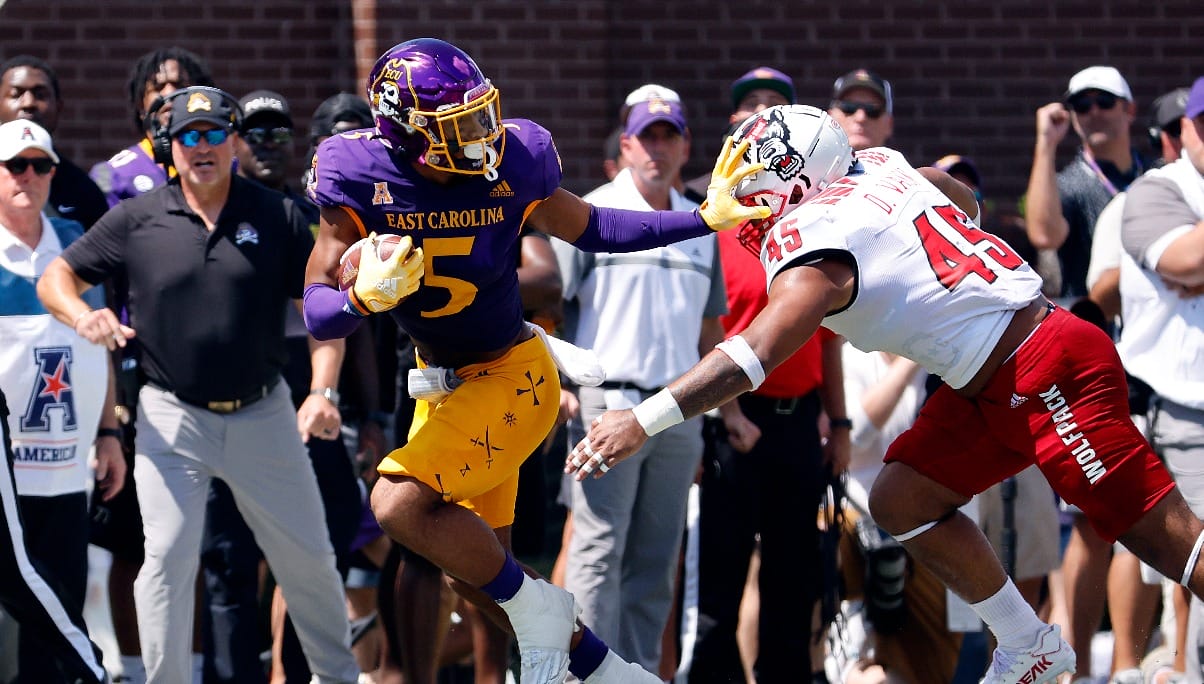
(840, 423)
(108, 432)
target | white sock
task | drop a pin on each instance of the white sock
(1010, 618)
(132, 669)
(198, 668)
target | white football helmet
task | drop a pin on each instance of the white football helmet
(803, 149)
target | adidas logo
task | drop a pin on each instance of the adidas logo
(501, 190)
(1017, 400)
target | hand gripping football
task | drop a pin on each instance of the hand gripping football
(381, 270)
(349, 263)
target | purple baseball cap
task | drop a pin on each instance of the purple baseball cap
(1195, 100)
(644, 114)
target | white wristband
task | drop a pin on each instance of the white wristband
(658, 412)
(737, 348)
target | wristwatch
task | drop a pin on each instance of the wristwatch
(330, 393)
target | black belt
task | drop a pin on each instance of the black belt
(624, 385)
(785, 406)
(227, 405)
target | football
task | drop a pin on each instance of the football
(349, 263)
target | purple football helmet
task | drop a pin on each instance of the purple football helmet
(432, 104)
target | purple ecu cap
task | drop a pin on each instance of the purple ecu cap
(644, 114)
(762, 77)
(1195, 100)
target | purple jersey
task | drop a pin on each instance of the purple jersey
(129, 173)
(468, 229)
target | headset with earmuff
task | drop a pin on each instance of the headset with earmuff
(160, 131)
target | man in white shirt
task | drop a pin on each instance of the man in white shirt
(1162, 232)
(61, 397)
(646, 314)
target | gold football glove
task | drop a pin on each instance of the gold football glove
(721, 210)
(380, 285)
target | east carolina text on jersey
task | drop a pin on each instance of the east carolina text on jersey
(440, 220)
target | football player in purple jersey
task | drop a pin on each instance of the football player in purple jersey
(444, 170)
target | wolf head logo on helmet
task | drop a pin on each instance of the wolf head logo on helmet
(803, 150)
(432, 105)
(774, 148)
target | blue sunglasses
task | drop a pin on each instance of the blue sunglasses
(213, 136)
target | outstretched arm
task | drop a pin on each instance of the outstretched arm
(603, 229)
(799, 298)
(61, 290)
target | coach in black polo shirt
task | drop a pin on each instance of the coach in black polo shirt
(211, 260)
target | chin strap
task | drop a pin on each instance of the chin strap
(491, 160)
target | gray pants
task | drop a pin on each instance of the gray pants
(627, 530)
(257, 451)
(1179, 436)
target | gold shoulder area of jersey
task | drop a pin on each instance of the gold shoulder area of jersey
(502, 189)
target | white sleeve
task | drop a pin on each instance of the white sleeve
(1105, 243)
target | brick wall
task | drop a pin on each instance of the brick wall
(968, 76)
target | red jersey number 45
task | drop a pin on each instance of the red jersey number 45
(953, 262)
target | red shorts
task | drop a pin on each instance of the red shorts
(1060, 402)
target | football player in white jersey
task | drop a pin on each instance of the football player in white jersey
(891, 257)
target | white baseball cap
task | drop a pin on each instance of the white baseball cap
(1104, 78)
(19, 135)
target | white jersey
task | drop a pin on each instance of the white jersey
(929, 284)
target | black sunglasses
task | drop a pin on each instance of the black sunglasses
(213, 136)
(258, 136)
(17, 165)
(1081, 103)
(873, 111)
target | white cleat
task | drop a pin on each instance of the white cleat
(1041, 663)
(544, 617)
(615, 670)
